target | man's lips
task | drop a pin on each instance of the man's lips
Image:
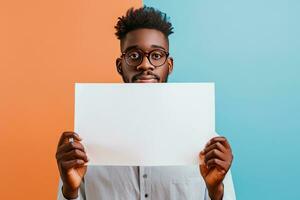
(146, 79)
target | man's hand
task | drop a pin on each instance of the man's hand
(215, 161)
(71, 159)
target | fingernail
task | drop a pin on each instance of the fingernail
(81, 161)
(78, 136)
(71, 139)
(207, 143)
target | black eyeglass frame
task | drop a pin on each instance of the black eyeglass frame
(143, 55)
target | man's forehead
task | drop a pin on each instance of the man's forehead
(145, 39)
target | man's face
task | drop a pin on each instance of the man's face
(135, 44)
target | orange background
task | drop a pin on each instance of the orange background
(45, 47)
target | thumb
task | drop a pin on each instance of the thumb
(202, 165)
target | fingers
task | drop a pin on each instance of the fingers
(203, 170)
(212, 159)
(217, 153)
(201, 158)
(70, 146)
(66, 135)
(216, 145)
(221, 140)
(220, 164)
(72, 164)
(71, 155)
(214, 154)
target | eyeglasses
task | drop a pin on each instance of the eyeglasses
(135, 57)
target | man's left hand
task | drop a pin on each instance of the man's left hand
(215, 161)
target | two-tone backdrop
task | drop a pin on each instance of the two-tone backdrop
(250, 49)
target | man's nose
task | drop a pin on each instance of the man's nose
(145, 65)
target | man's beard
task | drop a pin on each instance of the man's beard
(135, 77)
(143, 73)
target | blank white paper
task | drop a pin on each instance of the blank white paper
(144, 124)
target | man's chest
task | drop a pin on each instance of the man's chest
(172, 182)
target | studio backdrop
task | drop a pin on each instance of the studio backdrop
(250, 49)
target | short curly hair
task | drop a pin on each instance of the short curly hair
(144, 17)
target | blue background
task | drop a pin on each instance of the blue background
(250, 49)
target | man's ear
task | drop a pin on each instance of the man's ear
(119, 66)
(170, 65)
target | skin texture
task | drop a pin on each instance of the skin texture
(215, 159)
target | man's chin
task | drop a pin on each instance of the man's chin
(154, 80)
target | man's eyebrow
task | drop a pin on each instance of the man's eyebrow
(157, 46)
(130, 47)
(136, 46)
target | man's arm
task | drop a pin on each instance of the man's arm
(60, 195)
(229, 192)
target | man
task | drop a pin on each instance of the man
(143, 35)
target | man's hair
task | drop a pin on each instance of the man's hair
(144, 17)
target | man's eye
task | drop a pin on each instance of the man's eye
(156, 56)
(134, 55)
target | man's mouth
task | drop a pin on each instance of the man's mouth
(146, 79)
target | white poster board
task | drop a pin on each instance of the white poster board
(144, 124)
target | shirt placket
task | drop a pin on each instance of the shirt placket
(145, 183)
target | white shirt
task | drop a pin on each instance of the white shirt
(145, 183)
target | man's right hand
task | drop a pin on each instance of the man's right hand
(71, 159)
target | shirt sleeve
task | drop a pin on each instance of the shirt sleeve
(60, 195)
(229, 193)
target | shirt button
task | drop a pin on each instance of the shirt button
(146, 195)
(145, 176)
